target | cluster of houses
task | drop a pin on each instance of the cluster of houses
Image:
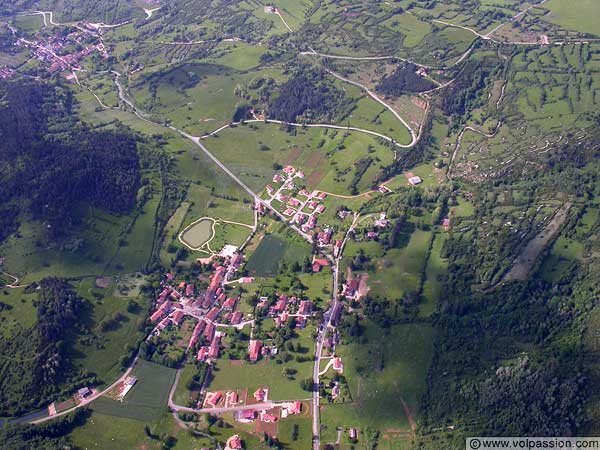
(285, 308)
(50, 50)
(7, 72)
(303, 208)
(209, 307)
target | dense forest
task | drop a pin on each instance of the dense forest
(50, 161)
(48, 436)
(43, 368)
(312, 95)
(464, 93)
(510, 360)
(404, 80)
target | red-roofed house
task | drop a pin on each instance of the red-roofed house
(295, 408)
(324, 237)
(261, 394)
(234, 443)
(212, 398)
(350, 289)
(247, 415)
(213, 351)
(212, 314)
(202, 353)
(162, 311)
(189, 290)
(289, 170)
(268, 418)
(229, 303)
(236, 318)
(254, 349)
(305, 307)
(232, 397)
(337, 246)
(177, 317)
(338, 365)
(209, 331)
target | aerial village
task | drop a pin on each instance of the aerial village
(209, 315)
(62, 51)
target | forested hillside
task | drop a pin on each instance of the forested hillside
(44, 368)
(312, 95)
(50, 161)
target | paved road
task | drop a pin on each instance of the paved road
(413, 135)
(318, 352)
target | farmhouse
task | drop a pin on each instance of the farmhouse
(230, 303)
(267, 418)
(337, 246)
(305, 307)
(83, 392)
(350, 288)
(338, 365)
(234, 442)
(236, 318)
(261, 394)
(177, 317)
(415, 180)
(189, 290)
(162, 311)
(295, 407)
(324, 237)
(232, 398)
(246, 416)
(212, 398)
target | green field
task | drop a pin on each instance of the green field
(399, 271)
(436, 268)
(327, 157)
(147, 399)
(265, 259)
(233, 375)
(102, 355)
(387, 368)
(583, 17)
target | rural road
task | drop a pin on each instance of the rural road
(318, 352)
(92, 397)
